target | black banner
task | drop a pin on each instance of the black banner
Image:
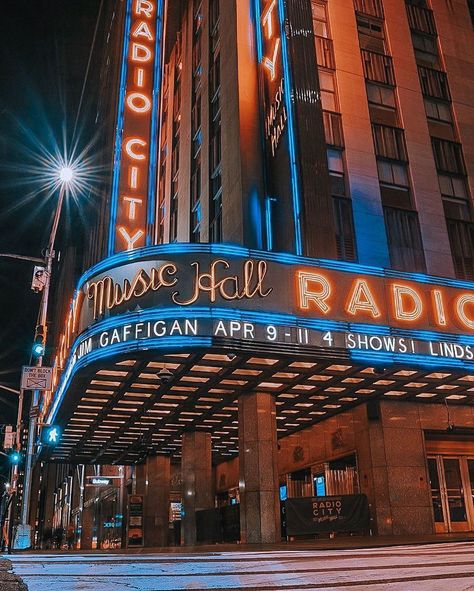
(312, 515)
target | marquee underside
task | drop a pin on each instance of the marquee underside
(117, 411)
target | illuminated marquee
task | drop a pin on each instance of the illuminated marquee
(261, 285)
(148, 298)
(133, 186)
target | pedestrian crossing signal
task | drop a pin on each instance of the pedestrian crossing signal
(51, 435)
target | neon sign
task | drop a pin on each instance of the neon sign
(133, 184)
(401, 304)
(106, 293)
(271, 60)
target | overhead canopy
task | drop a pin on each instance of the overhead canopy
(323, 336)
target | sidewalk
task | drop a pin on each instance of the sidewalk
(340, 543)
(9, 581)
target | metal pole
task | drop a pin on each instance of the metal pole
(18, 435)
(42, 320)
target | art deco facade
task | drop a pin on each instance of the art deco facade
(301, 172)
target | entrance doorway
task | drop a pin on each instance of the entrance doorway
(452, 492)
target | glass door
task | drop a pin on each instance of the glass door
(454, 495)
(452, 490)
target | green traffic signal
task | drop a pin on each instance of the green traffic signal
(14, 457)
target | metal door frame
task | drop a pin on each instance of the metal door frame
(466, 487)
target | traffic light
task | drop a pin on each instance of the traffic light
(39, 344)
(14, 456)
(50, 435)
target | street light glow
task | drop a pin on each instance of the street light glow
(66, 174)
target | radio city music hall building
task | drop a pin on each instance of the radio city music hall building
(274, 331)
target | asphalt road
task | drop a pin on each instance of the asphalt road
(434, 567)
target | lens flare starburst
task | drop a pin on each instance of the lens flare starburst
(43, 165)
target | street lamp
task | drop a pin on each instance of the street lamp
(65, 176)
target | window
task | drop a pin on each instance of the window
(452, 186)
(455, 197)
(371, 33)
(327, 85)
(393, 173)
(372, 7)
(336, 173)
(404, 240)
(378, 67)
(382, 104)
(421, 19)
(470, 5)
(389, 142)
(320, 21)
(344, 224)
(438, 111)
(461, 238)
(426, 49)
(434, 83)
(333, 129)
(448, 156)
(383, 96)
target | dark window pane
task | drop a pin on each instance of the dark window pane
(404, 240)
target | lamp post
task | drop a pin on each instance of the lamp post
(23, 539)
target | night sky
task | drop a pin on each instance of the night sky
(44, 52)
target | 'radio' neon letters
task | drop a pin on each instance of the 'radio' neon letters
(129, 148)
(402, 293)
(361, 299)
(314, 287)
(135, 98)
(144, 7)
(140, 53)
(461, 304)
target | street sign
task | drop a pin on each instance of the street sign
(40, 278)
(37, 378)
(9, 440)
(100, 481)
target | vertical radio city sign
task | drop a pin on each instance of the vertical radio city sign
(133, 189)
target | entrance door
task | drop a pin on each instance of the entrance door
(452, 489)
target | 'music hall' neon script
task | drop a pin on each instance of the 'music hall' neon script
(107, 293)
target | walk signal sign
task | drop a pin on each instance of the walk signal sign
(50, 435)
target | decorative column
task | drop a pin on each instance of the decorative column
(157, 501)
(196, 466)
(258, 469)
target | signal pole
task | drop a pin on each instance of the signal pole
(23, 539)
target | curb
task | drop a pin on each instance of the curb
(9, 581)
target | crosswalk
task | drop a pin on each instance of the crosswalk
(433, 567)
